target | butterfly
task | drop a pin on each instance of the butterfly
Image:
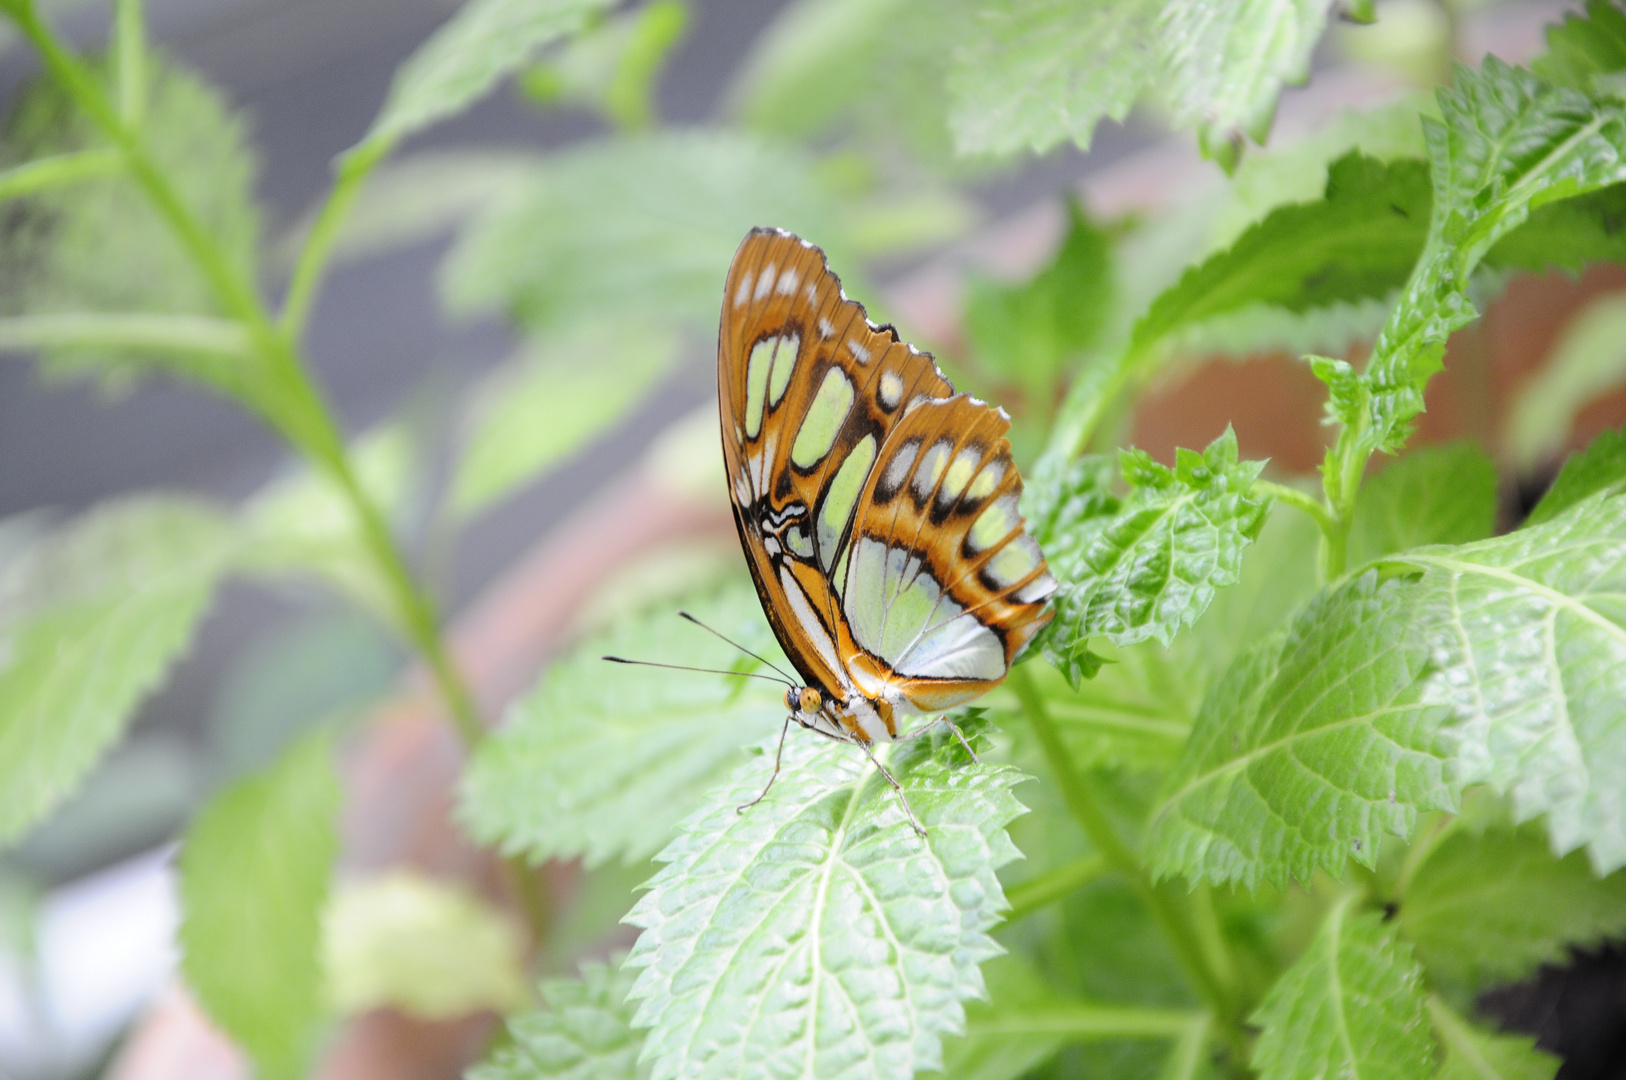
(876, 506)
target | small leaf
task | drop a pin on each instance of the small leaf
(1528, 634)
(1507, 144)
(644, 225)
(547, 404)
(602, 762)
(1351, 1005)
(1581, 47)
(1312, 746)
(612, 68)
(816, 933)
(1475, 1054)
(254, 875)
(585, 1033)
(1153, 566)
(1599, 467)
(1028, 333)
(427, 948)
(1589, 359)
(484, 43)
(1034, 74)
(1357, 242)
(1435, 495)
(1488, 906)
(92, 615)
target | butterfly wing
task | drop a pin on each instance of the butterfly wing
(818, 405)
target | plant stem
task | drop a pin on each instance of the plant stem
(1084, 1022)
(1165, 908)
(1040, 892)
(1423, 847)
(48, 172)
(1299, 501)
(130, 60)
(354, 168)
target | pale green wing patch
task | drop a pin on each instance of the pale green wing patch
(823, 420)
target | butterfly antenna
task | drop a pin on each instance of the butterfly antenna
(703, 670)
(737, 645)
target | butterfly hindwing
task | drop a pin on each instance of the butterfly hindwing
(865, 585)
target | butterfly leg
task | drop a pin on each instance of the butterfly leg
(778, 754)
(952, 726)
(896, 787)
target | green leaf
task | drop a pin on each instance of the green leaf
(1507, 144)
(987, 1052)
(642, 226)
(92, 615)
(1435, 495)
(1028, 333)
(613, 67)
(427, 948)
(585, 1033)
(303, 522)
(1311, 747)
(1528, 634)
(254, 872)
(1569, 235)
(1035, 73)
(1152, 567)
(484, 43)
(1474, 1054)
(816, 933)
(1358, 242)
(1589, 359)
(99, 247)
(1580, 48)
(1487, 906)
(1351, 1005)
(601, 762)
(549, 402)
(1600, 466)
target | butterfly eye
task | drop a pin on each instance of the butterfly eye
(812, 701)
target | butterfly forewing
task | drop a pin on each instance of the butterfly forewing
(821, 410)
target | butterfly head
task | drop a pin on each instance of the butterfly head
(804, 700)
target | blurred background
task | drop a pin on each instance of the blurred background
(406, 333)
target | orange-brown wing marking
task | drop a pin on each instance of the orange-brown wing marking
(804, 381)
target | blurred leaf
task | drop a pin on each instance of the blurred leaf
(1600, 466)
(427, 948)
(1352, 1005)
(98, 246)
(304, 523)
(1015, 988)
(1580, 48)
(1528, 634)
(1034, 73)
(1311, 747)
(91, 618)
(546, 405)
(483, 43)
(1358, 242)
(1152, 568)
(1508, 143)
(1589, 358)
(1567, 235)
(1027, 334)
(1475, 1054)
(816, 932)
(612, 68)
(1433, 495)
(864, 71)
(421, 196)
(634, 228)
(585, 1033)
(253, 878)
(1253, 329)
(1488, 906)
(601, 762)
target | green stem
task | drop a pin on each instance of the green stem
(354, 169)
(136, 330)
(58, 169)
(1299, 501)
(1165, 909)
(1042, 891)
(1423, 847)
(1083, 1022)
(130, 60)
